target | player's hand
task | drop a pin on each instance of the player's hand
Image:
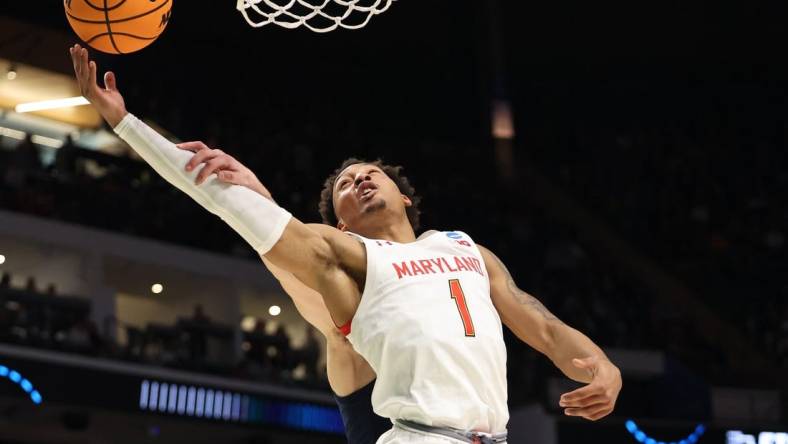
(107, 101)
(226, 168)
(597, 399)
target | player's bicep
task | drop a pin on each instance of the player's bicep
(522, 313)
(325, 260)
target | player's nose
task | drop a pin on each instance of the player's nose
(361, 177)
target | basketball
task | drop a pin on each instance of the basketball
(118, 26)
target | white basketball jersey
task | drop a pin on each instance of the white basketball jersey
(427, 326)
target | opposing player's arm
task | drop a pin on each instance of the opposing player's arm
(307, 301)
(571, 351)
(324, 259)
(347, 370)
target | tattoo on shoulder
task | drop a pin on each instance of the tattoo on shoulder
(522, 297)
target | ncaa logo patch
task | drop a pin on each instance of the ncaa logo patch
(453, 235)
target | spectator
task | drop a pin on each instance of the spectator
(65, 166)
(30, 285)
(198, 340)
(24, 160)
(83, 336)
(5, 281)
(281, 358)
(258, 343)
(310, 354)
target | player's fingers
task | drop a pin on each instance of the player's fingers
(76, 60)
(200, 157)
(582, 392)
(110, 82)
(192, 146)
(229, 177)
(586, 411)
(92, 73)
(83, 65)
(593, 411)
(82, 74)
(73, 53)
(601, 414)
(584, 402)
(210, 168)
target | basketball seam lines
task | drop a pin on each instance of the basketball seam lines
(109, 29)
(125, 19)
(124, 34)
(97, 8)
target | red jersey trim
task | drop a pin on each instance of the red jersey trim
(345, 329)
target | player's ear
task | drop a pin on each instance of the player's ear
(406, 200)
(341, 226)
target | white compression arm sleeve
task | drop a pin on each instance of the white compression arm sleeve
(257, 219)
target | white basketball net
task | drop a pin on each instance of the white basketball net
(317, 15)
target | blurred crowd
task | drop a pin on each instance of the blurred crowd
(39, 318)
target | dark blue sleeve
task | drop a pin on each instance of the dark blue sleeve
(362, 425)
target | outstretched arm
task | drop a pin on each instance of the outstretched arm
(326, 260)
(571, 351)
(227, 169)
(347, 370)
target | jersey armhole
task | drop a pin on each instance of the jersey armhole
(345, 329)
(369, 281)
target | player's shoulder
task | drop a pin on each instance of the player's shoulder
(458, 235)
(340, 240)
(328, 230)
(323, 228)
(427, 234)
(454, 236)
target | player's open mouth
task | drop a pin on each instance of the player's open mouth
(366, 190)
(367, 194)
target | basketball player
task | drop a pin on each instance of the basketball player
(349, 375)
(424, 313)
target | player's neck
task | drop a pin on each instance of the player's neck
(396, 232)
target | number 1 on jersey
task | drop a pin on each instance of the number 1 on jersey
(459, 297)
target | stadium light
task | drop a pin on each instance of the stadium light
(248, 323)
(15, 377)
(12, 133)
(641, 436)
(46, 141)
(51, 104)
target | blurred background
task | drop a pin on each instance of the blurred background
(627, 163)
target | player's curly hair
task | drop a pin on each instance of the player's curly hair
(394, 172)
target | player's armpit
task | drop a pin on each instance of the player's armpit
(308, 302)
(528, 318)
(327, 261)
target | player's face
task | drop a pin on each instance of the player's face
(364, 195)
